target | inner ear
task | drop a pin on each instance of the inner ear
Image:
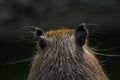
(39, 32)
(41, 38)
(80, 34)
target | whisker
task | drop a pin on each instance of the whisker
(19, 61)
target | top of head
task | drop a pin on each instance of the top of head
(62, 36)
(59, 32)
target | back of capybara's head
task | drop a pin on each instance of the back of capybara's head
(64, 55)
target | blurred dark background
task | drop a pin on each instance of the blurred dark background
(50, 14)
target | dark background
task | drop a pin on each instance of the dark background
(50, 14)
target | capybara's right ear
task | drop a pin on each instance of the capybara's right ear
(80, 34)
(41, 38)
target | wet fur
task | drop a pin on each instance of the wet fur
(64, 59)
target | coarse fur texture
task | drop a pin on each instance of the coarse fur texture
(64, 55)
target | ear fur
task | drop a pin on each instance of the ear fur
(41, 38)
(80, 34)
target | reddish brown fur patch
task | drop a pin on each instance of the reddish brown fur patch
(59, 32)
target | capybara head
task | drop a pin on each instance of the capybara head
(63, 54)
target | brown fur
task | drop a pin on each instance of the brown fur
(64, 59)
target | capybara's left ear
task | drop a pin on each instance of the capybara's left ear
(80, 34)
(41, 38)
